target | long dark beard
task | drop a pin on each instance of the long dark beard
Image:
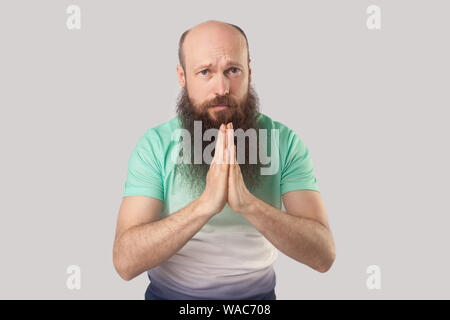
(242, 116)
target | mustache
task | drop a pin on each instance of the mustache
(221, 100)
(243, 116)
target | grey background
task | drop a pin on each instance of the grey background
(372, 107)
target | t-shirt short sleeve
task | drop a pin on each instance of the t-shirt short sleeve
(144, 176)
(298, 170)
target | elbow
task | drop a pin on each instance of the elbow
(122, 270)
(327, 261)
(124, 274)
(122, 267)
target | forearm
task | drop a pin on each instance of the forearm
(145, 246)
(302, 239)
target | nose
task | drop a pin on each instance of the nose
(222, 86)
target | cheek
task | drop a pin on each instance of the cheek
(240, 87)
(198, 92)
(241, 97)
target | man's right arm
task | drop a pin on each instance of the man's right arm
(143, 241)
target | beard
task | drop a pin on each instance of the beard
(242, 114)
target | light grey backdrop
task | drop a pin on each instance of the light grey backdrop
(371, 105)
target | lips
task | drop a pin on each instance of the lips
(220, 106)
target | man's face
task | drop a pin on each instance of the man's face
(217, 71)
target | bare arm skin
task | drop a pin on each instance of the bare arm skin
(302, 232)
(142, 243)
(143, 240)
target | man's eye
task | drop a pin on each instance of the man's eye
(233, 70)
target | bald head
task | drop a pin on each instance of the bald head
(208, 32)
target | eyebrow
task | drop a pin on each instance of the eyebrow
(230, 63)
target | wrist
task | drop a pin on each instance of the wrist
(249, 205)
(202, 206)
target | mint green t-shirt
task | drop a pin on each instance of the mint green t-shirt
(228, 258)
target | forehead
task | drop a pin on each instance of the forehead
(214, 45)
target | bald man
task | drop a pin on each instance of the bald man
(210, 228)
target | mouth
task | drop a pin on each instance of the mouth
(220, 107)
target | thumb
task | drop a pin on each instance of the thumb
(227, 156)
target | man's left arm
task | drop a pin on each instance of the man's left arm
(302, 232)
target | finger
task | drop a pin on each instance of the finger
(227, 156)
(223, 144)
(234, 152)
(218, 153)
(230, 141)
(231, 151)
(235, 167)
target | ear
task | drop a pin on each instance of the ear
(181, 76)
(249, 72)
